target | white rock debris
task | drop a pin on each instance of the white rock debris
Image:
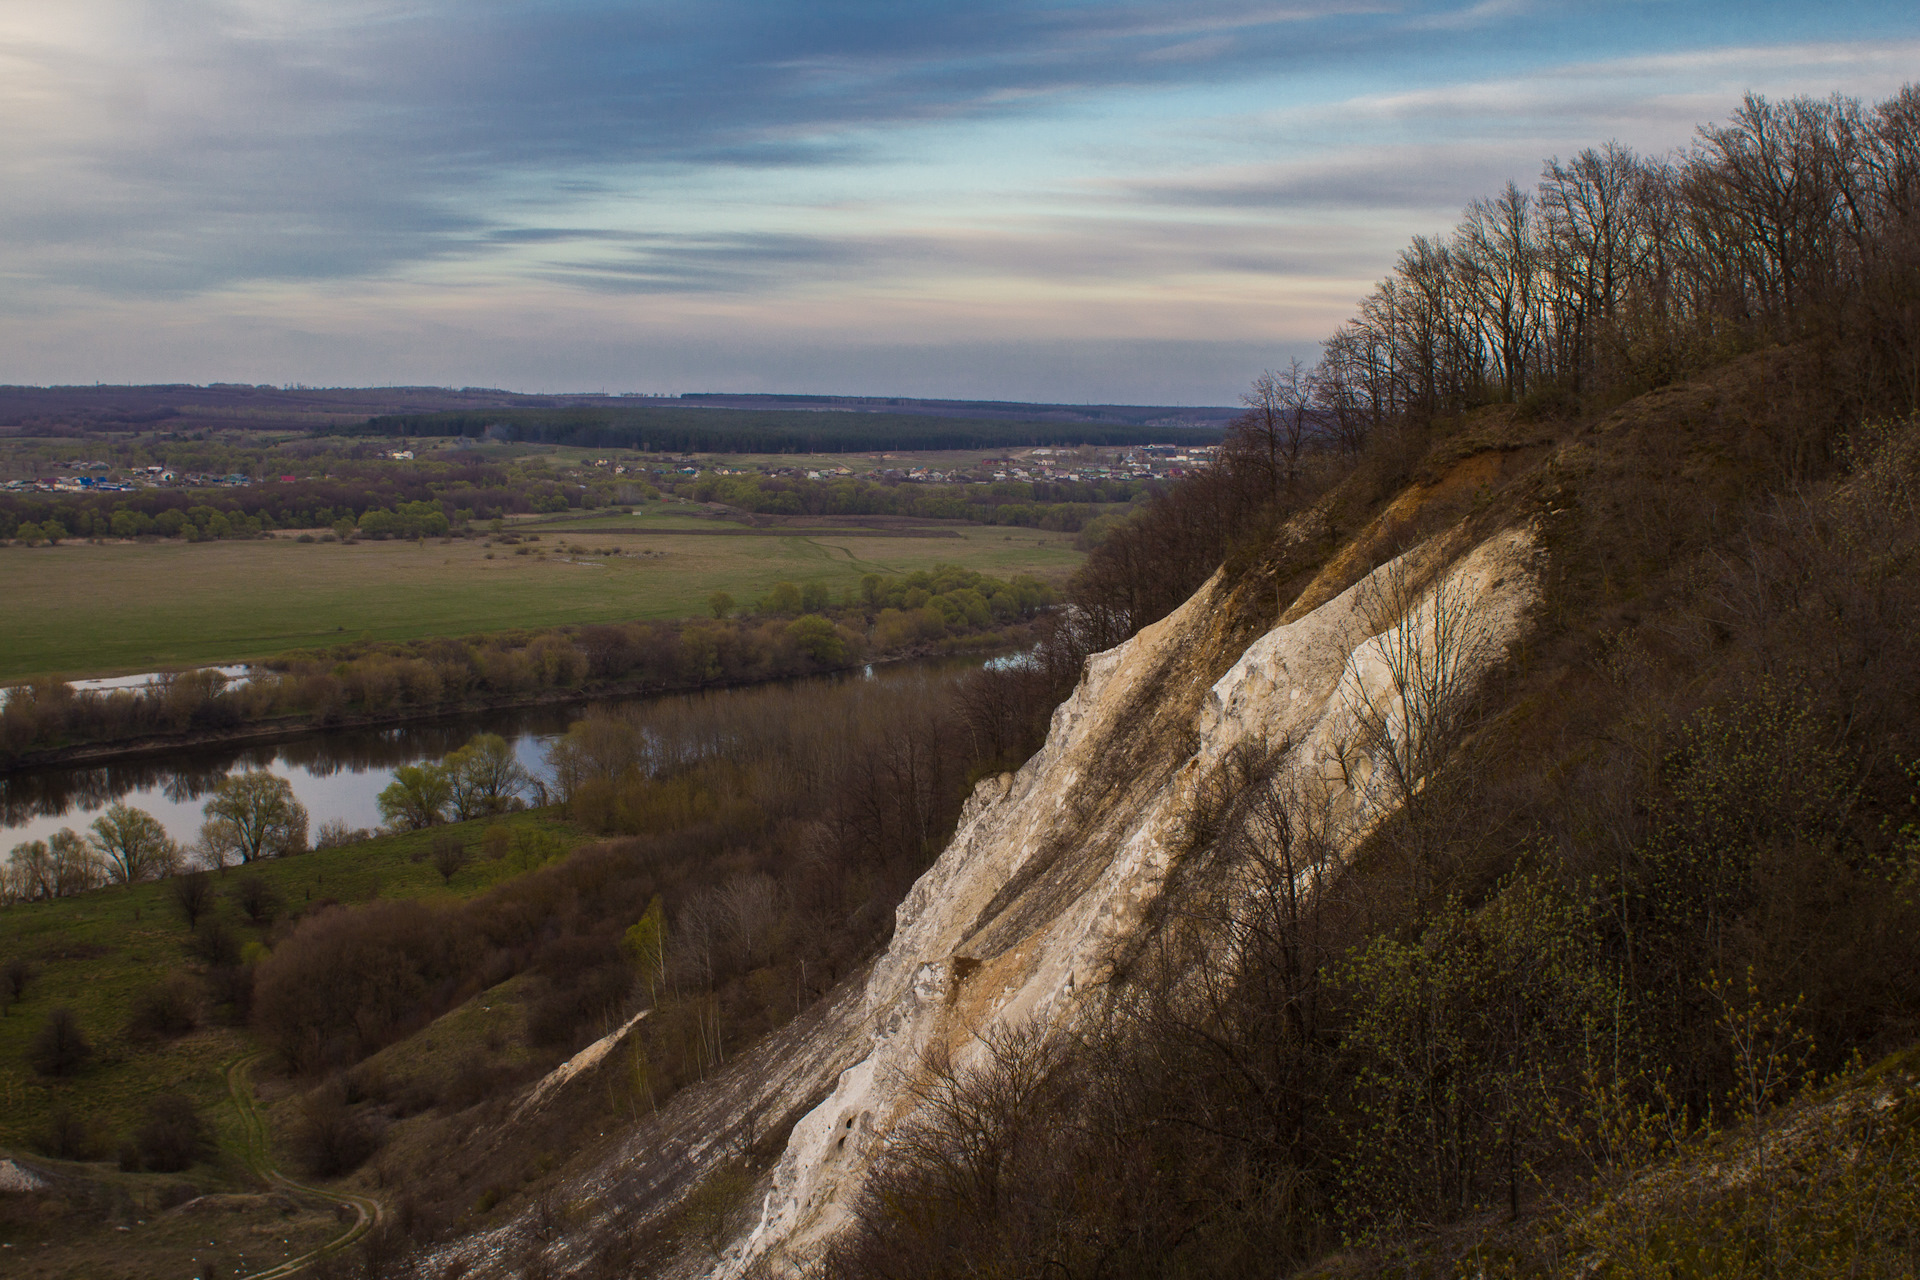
(583, 1061)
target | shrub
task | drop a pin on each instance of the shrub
(68, 1137)
(172, 1008)
(256, 898)
(450, 857)
(60, 1047)
(215, 943)
(330, 1139)
(191, 896)
(173, 1136)
(14, 980)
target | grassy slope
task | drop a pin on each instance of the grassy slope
(98, 952)
(79, 609)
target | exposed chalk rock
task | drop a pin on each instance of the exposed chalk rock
(1024, 914)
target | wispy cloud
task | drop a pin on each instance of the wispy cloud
(954, 169)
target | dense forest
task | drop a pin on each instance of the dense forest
(676, 430)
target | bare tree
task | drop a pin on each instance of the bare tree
(192, 896)
(1596, 243)
(1271, 435)
(1409, 688)
(450, 856)
(1499, 259)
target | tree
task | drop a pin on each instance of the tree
(265, 820)
(133, 843)
(784, 598)
(192, 896)
(417, 797)
(645, 943)
(14, 979)
(818, 639)
(484, 777)
(1271, 435)
(31, 867)
(173, 1135)
(257, 899)
(219, 844)
(76, 869)
(721, 603)
(1498, 253)
(450, 856)
(60, 1048)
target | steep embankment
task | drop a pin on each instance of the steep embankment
(1053, 871)
(1337, 648)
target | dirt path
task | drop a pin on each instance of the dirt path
(368, 1212)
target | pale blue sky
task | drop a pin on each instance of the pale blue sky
(1060, 201)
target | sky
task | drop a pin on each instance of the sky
(1060, 200)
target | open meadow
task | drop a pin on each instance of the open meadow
(97, 954)
(82, 609)
(106, 956)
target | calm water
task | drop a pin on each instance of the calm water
(336, 774)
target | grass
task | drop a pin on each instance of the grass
(81, 609)
(97, 953)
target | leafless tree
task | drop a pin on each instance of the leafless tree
(1271, 435)
(1499, 259)
(1409, 690)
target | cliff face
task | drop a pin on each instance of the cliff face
(1055, 871)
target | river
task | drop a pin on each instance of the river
(337, 774)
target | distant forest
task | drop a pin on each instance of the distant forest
(762, 431)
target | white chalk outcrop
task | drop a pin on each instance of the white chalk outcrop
(1024, 913)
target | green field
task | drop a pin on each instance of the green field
(81, 609)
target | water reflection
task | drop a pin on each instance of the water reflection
(337, 774)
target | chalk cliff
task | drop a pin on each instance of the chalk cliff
(1055, 871)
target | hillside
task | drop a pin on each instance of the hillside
(1472, 828)
(1288, 754)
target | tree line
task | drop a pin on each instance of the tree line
(370, 499)
(798, 630)
(676, 430)
(250, 815)
(1797, 222)
(472, 501)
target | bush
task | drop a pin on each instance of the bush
(215, 943)
(450, 857)
(68, 1137)
(256, 898)
(170, 1009)
(192, 896)
(60, 1047)
(172, 1137)
(330, 1139)
(14, 980)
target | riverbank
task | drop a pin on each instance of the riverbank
(291, 727)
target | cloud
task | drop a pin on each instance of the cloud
(908, 171)
(191, 145)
